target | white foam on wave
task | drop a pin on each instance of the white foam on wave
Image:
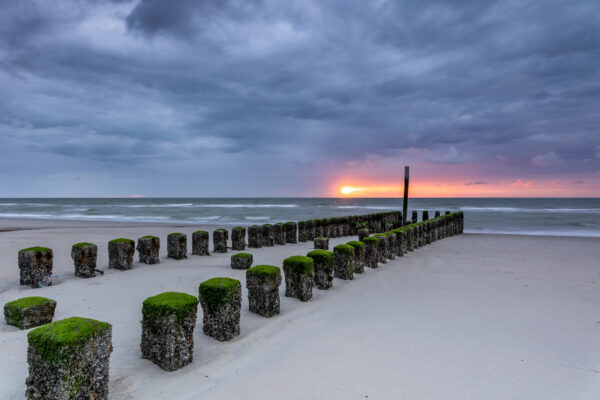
(152, 205)
(534, 210)
(257, 218)
(190, 205)
(371, 207)
(569, 233)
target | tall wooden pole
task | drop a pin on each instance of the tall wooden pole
(405, 205)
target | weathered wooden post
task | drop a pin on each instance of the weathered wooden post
(168, 321)
(238, 238)
(405, 203)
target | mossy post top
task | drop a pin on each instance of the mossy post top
(299, 264)
(321, 237)
(290, 223)
(121, 240)
(264, 272)
(279, 223)
(356, 244)
(181, 304)
(51, 340)
(242, 255)
(321, 256)
(176, 234)
(220, 230)
(82, 245)
(149, 237)
(35, 249)
(370, 239)
(239, 228)
(344, 248)
(201, 233)
(26, 302)
(217, 292)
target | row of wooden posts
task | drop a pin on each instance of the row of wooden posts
(70, 358)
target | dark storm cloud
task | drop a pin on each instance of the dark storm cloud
(300, 84)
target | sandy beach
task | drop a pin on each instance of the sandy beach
(468, 317)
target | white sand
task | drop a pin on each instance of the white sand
(468, 317)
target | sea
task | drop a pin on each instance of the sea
(530, 216)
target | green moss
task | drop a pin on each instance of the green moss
(26, 302)
(201, 233)
(242, 255)
(239, 228)
(321, 256)
(180, 304)
(121, 240)
(320, 237)
(356, 244)
(82, 244)
(370, 239)
(344, 248)
(299, 264)
(221, 230)
(217, 292)
(36, 249)
(59, 339)
(175, 234)
(290, 223)
(149, 237)
(264, 272)
(15, 309)
(279, 223)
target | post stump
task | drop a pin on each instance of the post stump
(200, 243)
(84, 257)
(238, 238)
(29, 312)
(220, 240)
(371, 251)
(120, 253)
(359, 256)
(263, 283)
(321, 243)
(168, 321)
(290, 232)
(221, 300)
(35, 266)
(177, 246)
(323, 268)
(241, 261)
(148, 248)
(298, 277)
(255, 236)
(69, 359)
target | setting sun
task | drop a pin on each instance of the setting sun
(349, 190)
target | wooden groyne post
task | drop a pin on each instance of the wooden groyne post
(405, 203)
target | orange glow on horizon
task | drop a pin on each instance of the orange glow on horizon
(459, 188)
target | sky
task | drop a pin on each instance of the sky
(261, 98)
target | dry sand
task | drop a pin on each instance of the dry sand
(468, 317)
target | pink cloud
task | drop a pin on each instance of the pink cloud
(521, 183)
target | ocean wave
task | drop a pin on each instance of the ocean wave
(152, 205)
(570, 233)
(191, 205)
(533, 210)
(370, 207)
(257, 218)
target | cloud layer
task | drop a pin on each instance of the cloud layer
(265, 97)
